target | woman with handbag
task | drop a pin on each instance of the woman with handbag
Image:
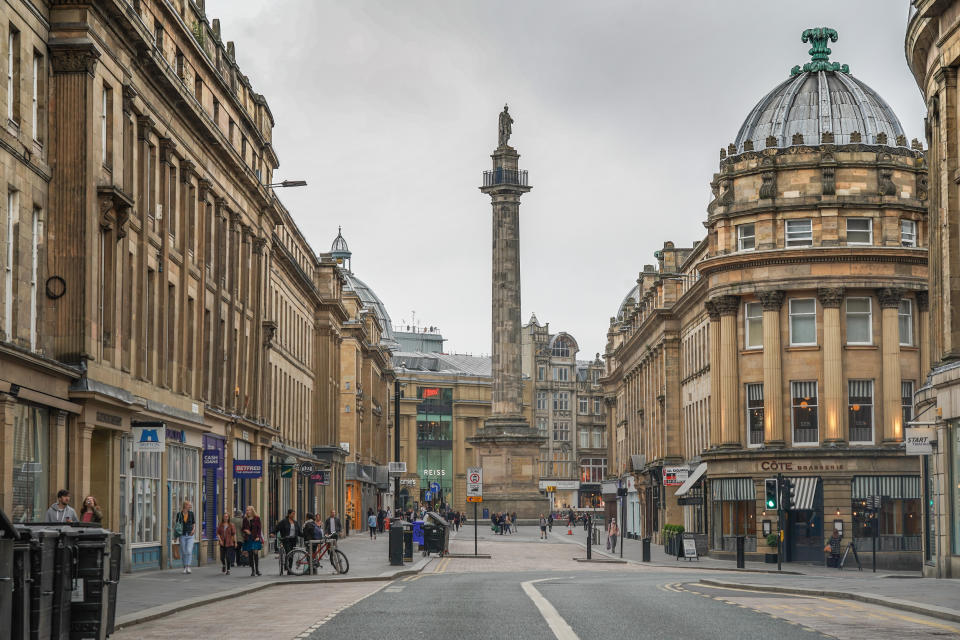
(183, 531)
(253, 539)
(226, 536)
(612, 532)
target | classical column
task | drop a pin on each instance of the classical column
(7, 405)
(923, 332)
(835, 427)
(714, 355)
(729, 372)
(892, 416)
(84, 435)
(772, 301)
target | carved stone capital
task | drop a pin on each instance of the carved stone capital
(727, 305)
(73, 57)
(923, 300)
(259, 244)
(771, 300)
(145, 125)
(187, 170)
(830, 297)
(204, 187)
(234, 220)
(167, 148)
(269, 332)
(889, 297)
(712, 310)
(115, 206)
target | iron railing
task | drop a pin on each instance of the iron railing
(505, 176)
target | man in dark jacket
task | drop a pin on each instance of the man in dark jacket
(288, 530)
(331, 526)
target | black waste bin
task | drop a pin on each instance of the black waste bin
(436, 532)
(9, 536)
(65, 567)
(20, 619)
(115, 549)
(407, 542)
(89, 605)
(396, 543)
(43, 549)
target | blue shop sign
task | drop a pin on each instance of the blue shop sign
(176, 435)
(211, 458)
(248, 468)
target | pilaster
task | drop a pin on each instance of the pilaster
(836, 429)
(729, 371)
(892, 417)
(772, 301)
(715, 359)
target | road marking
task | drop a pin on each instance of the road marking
(332, 614)
(561, 630)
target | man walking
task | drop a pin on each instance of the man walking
(61, 511)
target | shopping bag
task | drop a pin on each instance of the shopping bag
(828, 548)
(176, 551)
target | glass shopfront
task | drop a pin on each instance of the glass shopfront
(182, 483)
(140, 504)
(31, 463)
(435, 444)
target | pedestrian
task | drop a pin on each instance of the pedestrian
(612, 532)
(288, 530)
(514, 523)
(239, 557)
(308, 526)
(372, 524)
(90, 511)
(61, 511)
(832, 548)
(550, 522)
(253, 539)
(227, 537)
(543, 527)
(183, 530)
(507, 523)
(331, 526)
(381, 520)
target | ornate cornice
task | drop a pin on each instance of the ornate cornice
(830, 297)
(831, 255)
(890, 297)
(771, 300)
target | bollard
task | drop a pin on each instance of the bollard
(646, 549)
(741, 540)
(589, 541)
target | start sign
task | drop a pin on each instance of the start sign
(474, 483)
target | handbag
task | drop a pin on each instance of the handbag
(608, 544)
(828, 548)
(178, 528)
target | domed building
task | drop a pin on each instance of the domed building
(366, 375)
(809, 293)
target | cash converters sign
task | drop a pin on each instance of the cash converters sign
(248, 468)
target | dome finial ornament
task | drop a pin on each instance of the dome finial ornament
(820, 37)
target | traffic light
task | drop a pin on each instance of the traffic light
(789, 499)
(771, 492)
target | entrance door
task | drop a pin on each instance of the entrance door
(805, 531)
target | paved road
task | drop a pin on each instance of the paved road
(537, 591)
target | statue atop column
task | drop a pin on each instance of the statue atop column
(505, 128)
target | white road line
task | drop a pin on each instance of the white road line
(557, 624)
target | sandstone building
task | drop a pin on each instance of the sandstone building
(932, 55)
(792, 338)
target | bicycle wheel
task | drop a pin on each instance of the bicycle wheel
(299, 562)
(342, 564)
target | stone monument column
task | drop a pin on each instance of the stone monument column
(507, 448)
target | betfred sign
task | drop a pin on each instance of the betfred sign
(247, 469)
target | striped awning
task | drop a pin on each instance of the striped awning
(804, 492)
(691, 479)
(893, 487)
(733, 489)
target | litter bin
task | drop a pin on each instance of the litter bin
(115, 561)
(396, 545)
(407, 542)
(65, 567)
(418, 534)
(8, 537)
(436, 534)
(20, 618)
(43, 548)
(646, 549)
(89, 606)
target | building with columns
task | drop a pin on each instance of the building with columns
(813, 278)
(151, 277)
(932, 46)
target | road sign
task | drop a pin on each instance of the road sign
(396, 468)
(474, 482)
(435, 488)
(474, 498)
(427, 496)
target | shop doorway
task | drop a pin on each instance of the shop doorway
(804, 530)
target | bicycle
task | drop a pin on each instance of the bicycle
(300, 561)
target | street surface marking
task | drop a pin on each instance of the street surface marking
(557, 624)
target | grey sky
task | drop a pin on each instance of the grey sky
(389, 110)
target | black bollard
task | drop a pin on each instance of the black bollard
(589, 539)
(741, 540)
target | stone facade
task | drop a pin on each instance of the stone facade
(791, 339)
(932, 46)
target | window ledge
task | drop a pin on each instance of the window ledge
(861, 347)
(803, 347)
(751, 350)
(909, 347)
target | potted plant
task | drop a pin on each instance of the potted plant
(773, 540)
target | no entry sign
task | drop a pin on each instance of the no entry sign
(474, 482)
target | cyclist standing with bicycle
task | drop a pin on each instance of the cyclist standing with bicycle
(288, 530)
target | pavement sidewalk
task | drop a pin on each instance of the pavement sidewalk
(153, 594)
(905, 590)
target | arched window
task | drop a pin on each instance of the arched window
(561, 347)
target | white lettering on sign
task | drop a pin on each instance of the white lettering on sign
(435, 472)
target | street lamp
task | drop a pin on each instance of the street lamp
(396, 438)
(289, 183)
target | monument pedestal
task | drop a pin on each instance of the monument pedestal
(508, 450)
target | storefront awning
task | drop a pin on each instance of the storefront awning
(692, 479)
(733, 489)
(804, 492)
(893, 487)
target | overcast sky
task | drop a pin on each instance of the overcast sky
(389, 110)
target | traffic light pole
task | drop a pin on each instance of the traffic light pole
(779, 522)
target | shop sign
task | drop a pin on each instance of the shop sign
(304, 468)
(436, 473)
(148, 437)
(675, 476)
(109, 418)
(211, 458)
(408, 482)
(561, 485)
(321, 476)
(176, 435)
(286, 471)
(919, 441)
(799, 465)
(248, 468)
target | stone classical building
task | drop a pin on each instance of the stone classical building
(813, 281)
(445, 399)
(932, 54)
(567, 409)
(366, 390)
(152, 279)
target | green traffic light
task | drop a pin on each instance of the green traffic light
(771, 504)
